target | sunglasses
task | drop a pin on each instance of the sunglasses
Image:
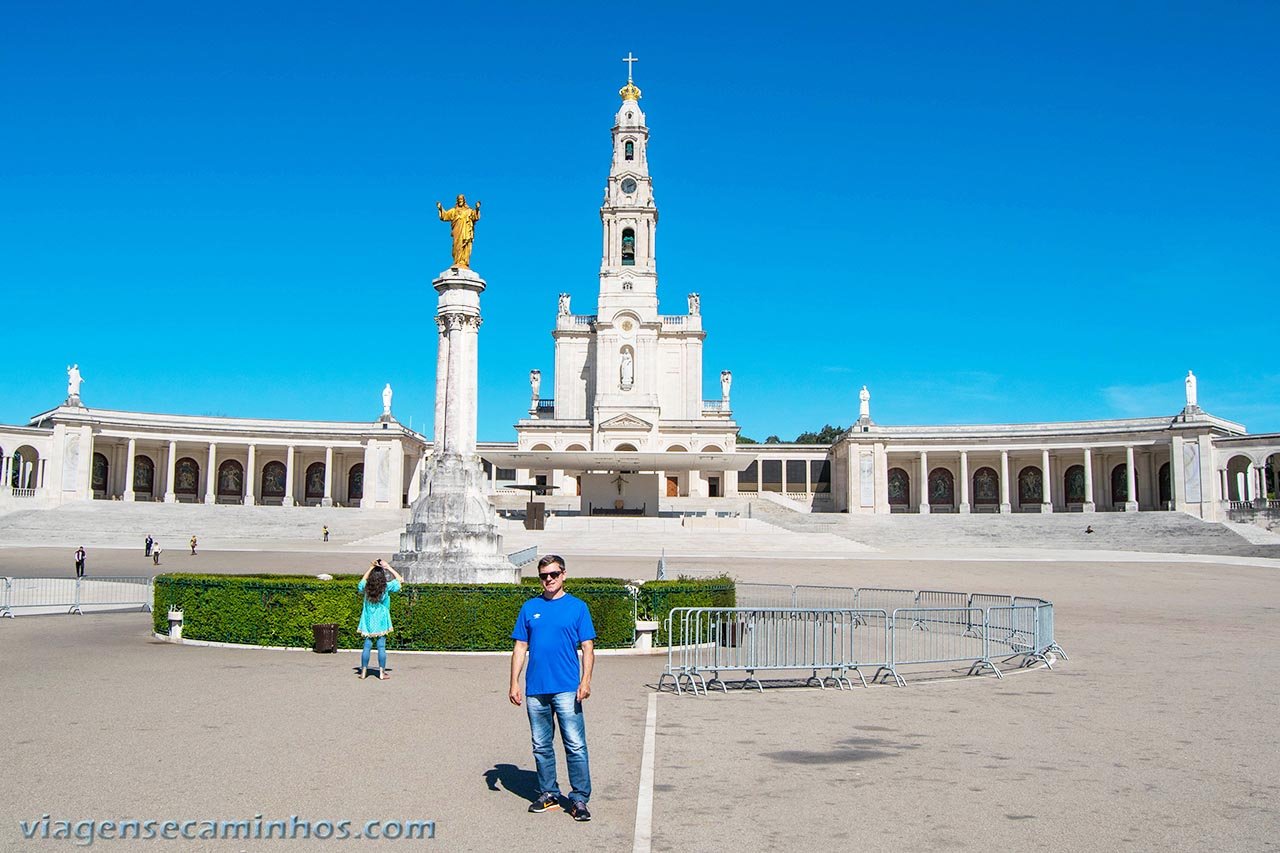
(549, 576)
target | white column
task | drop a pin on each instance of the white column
(327, 500)
(964, 481)
(471, 334)
(211, 476)
(442, 384)
(453, 407)
(288, 477)
(250, 476)
(1005, 506)
(1130, 481)
(128, 469)
(1046, 496)
(169, 495)
(924, 483)
(6, 464)
(1089, 505)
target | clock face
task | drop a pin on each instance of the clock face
(628, 186)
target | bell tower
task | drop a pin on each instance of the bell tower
(629, 216)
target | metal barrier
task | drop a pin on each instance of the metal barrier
(28, 594)
(114, 592)
(524, 556)
(714, 640)
(947, 639)
(814, 630)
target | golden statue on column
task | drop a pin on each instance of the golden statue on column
(462, 222)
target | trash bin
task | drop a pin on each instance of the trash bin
(326, 638)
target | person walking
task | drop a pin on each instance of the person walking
(549, 629)
(193, 546)
(155, 553)
(375, 615)
(325, 532)
(80, 562)
(147, 544)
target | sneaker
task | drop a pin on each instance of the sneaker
(545, 803)
(578, 811)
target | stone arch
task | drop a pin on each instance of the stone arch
(100, 475)
(273, 479)
(144, 475)
(26, 468)
(629, 149)
(1164, 486)
(186, 476)
(1238, 471)
(628, 247)
(355, 482)
(1030, 485)
(899, 487)
(677, 448)
(626, 447)
(1271, 475)
(1120, 485)
(986, 487)
(578, 447)
(1073, 485)
(230, 479)
(711, 448)
(675, 483)
(314, 481)
(541, 446)
(942, 487)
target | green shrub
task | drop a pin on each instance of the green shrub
(657, 598)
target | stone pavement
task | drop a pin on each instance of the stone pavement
(1155, 735)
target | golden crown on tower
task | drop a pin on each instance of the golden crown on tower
(630, 92)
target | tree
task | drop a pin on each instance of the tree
(742, 439)
(827, 435)
(773, 439)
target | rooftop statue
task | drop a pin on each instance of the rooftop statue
(462, 221)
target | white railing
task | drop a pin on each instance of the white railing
(715, 405)
(24, 493)
(584, 319)
(673, 319)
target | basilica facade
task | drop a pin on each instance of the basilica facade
(629, 430)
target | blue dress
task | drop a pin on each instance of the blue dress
(375, 618)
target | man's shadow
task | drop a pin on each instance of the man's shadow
(522, 783)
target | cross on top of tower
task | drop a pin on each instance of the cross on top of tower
(630, 92)
(630, 60)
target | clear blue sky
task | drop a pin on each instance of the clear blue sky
(985, 212)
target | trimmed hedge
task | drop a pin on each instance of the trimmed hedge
(279, 610)
(657, 598)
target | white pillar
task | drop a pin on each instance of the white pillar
(1130, 481)
(1089, 505)
(169, 495)
(250, 476)
(288, 477)
(924, 483)
(442, 384)
(964, 481)
(453, 405)
(327, 500)
(471, 336)
(128, 470)
(1046, 496)
(6, 463)
(211, 477)
(1005, 506)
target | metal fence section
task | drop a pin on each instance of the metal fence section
(524, 556)
(766, 595)
(115, 592)
(26, 594)
(947, 638)
(5, 589)
(882, 598)
(826, 597)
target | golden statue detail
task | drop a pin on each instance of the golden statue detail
(462, 222)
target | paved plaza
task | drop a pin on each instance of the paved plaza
(1158, 733)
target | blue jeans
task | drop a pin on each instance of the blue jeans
(382, 653)
(573, 731)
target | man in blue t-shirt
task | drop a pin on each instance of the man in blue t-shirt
(550, 628)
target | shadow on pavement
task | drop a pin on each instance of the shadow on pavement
(522, 783)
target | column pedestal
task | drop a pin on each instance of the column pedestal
(452, 535)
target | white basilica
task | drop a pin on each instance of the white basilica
(627, 431)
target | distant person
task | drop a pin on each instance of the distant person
(193, 546)
(550, 628)
(155, 553)
(1088, 528)
(147, 544)
(80, 562)
(325, 532)
(375, 616)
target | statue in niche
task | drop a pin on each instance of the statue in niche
(73, 381)
(462, 221)
(564, 304)
(1191, 390)
(386, 401)
(864, 404)
(726, 380)
(535, 383)
(695, 303)
(628, 370)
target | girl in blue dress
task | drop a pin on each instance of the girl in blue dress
(375, 617)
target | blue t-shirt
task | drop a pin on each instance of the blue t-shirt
(553, 629)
